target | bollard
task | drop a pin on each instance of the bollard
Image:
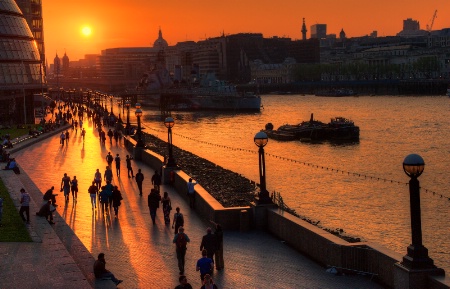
(244, 219)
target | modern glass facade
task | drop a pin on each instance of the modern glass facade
(21, 72)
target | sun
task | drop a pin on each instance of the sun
(86, 31)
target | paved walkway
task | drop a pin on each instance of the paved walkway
(140, 253)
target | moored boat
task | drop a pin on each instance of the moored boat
(312, 129)
(342, 129)
(338, 129)
(336, 92)
(210, 94)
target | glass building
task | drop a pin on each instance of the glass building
(21, 70)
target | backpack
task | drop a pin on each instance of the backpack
(179, 220)
(181, 241)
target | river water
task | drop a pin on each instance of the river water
(359, 187)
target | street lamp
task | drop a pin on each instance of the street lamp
(169, 123)
(111, 100)
(261, 140)
(138, 113)
(127, 128)
(417, 256)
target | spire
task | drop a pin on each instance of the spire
(304, 30)
(160, 33)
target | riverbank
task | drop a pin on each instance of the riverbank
(229, 188)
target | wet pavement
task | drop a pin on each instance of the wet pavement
(140, 253)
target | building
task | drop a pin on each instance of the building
(22, 73)
(411, 25)
(319, 31)
(32, 11)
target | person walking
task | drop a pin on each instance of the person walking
(98, 179)
(108, 175)
(116, 136)
(167, 207)
(183, 283)
(101, 272)
(180, 240)
(116, 200)
(178, 220)
(209, 243)
(93, 191)
(74, 188)
(208, 283)
(109, 159)
(205, 265)
(153, 203)
(218, 255)
(67, 137)
(62, 138)
(83, 133)
(65, 186)
(156, 180)
(109, 188)
(102, 136)
(117, 160)
(139, 180)
(104, 200)
(24, 205)
(191, 193)
(129, 167)
(110, 135)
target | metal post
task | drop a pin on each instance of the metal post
(170, 161)
(264, 194)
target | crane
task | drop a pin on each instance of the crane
(430, 27)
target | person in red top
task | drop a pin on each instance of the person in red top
(101, 272)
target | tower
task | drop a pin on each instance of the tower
(342, 34)
(56, 65)
(304, 30)
(65, 64)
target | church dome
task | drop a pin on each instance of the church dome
(160, 43)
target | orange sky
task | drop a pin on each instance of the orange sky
(130, 23)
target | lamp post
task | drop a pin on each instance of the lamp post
(111, 100)
(261, 140)
(127, 128)
(169, 123)
(138, 113)
(417, 256)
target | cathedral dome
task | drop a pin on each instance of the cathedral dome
(160, 43)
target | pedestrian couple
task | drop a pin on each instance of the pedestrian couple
(205, 264)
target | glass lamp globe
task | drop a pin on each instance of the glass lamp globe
(169, 122)
(413, 165)
(261, 139)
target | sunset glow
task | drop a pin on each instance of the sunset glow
(136, 24)
(87, 31)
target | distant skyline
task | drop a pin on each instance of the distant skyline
(135, 23)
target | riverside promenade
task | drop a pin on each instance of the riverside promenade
(140, 253)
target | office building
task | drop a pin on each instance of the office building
(319, 31)
(32, 11)
(21, 75)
